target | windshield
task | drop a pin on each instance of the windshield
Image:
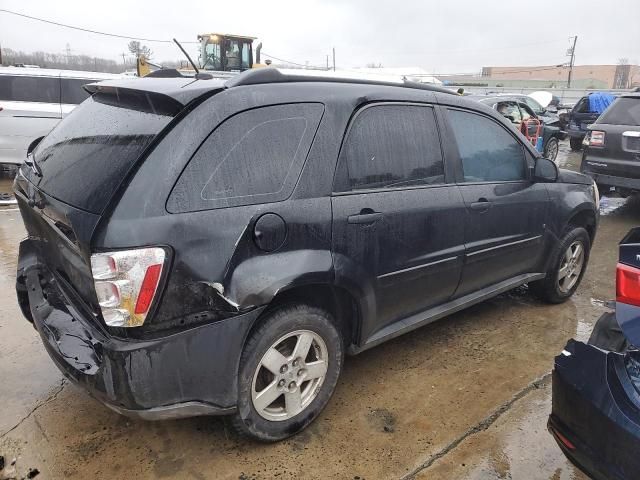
(84, 159)
(212, 60)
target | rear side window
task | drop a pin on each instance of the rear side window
(254, 157)
(72, 92)
(623, 111)
(488, 152)
(87, 155)
(22, 88)
(391, 146)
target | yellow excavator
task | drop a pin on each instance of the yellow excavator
(219, 52)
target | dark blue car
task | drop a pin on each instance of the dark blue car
(596, 386)
(584, 113)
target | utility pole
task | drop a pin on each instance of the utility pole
(334, 59)
(1, 56)
(571, 52)
(124, 62)
(327, 61)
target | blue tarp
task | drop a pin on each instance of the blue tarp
(599, 101)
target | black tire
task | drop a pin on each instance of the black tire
(575, 143)
(548, 289)
(551, 149)
(278, 324)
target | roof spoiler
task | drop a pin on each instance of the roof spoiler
(140, 100)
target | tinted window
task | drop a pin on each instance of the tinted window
(86, 156)
(19, 88)
(72, 91)
(623, 111)
(392, 146)
(489, 153)
(253, 157)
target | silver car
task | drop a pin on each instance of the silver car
(32, 102)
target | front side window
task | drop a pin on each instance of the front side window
(22, 88)
(253, 157)
(391, 146)
(488, 152)
(510, 111)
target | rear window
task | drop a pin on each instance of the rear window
(22, 88)
(72, 92)
(624, 111)
(255, 156)
(86, 156)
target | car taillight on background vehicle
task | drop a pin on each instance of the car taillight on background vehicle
(126, 282)
(595, 139)
(627, 284)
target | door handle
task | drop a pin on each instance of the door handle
(482, 205)
(366, 216)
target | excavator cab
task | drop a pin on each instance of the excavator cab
(227, 53)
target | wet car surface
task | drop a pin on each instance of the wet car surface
(466, 397)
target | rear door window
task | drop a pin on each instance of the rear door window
(488, 152)
(391, 146)
(72, 92)
(23, 88)
(87, 155)
(255, 156)
(623, 111)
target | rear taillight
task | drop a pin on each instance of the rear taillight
(564, 440)
(596, 139)
(627, 284)
(126, 283)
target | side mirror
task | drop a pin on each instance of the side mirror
(545, 171)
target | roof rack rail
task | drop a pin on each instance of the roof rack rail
(268, 75)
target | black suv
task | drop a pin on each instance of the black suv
(199, 247)
(612, 146)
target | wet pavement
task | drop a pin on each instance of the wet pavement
(466, 397)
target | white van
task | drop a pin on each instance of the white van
(32, 102)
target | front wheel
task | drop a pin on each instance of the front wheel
(567, 267)
(551, 149)
(575, 143)
(288, 372)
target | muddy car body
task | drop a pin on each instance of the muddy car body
(251, 263)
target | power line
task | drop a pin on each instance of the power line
(115, 35)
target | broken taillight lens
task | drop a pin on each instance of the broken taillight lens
(627, 284)
(126, 283)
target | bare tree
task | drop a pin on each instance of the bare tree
(623, 61)
(137, 49)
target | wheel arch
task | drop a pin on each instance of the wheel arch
(585, 218)
(339, 302)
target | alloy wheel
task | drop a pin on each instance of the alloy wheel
(289, 375)
(571, 266)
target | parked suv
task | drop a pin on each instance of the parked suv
(209, 247)
(32, 102)
(612, 146)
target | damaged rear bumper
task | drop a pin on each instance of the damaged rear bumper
(193, 372)
(597, 409)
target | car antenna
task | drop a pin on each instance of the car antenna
(199, 76)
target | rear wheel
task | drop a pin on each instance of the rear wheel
(568, 264)
(551, 149)
(575, 143)
(288, 372)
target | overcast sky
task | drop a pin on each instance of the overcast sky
(452, 36)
